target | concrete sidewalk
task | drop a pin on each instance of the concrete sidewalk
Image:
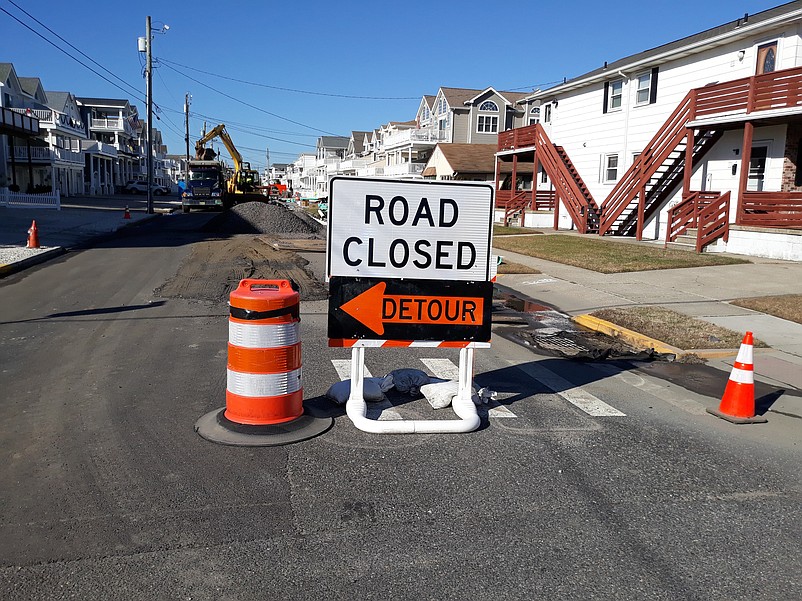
(700, 292)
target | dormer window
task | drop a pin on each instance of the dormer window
(534, 115)
(489, 106)
(442, 107)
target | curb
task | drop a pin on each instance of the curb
(638, 339)
(17, 266)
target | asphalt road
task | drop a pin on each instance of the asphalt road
(107, 492)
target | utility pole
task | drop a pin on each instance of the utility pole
(187, 96)
(149, 71)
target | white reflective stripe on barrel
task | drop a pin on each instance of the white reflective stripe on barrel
(260, 385)
(263, 336)
(742, 376)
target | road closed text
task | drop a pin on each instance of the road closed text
(422, 253)
(409, 230)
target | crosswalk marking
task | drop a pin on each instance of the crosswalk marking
(343, 367)
(442, 368)
(500, 411)
(573, 394)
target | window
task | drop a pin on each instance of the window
(488, 124)
(547, 114)
(644, 86)
(766, 58)
(646, 90)
(442, 106)
(489, 106)
(616, 92)
(613, 92)
(610, 168)
(534, 115)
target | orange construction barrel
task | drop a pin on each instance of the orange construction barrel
(264, 394)
(264, 353)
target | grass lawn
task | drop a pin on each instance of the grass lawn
(503, 230)
(512, 268)
(674, 328)
(607, 256)
(785, 306)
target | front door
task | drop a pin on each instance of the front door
(757, 168)
(766, 58)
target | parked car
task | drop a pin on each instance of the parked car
(141, 187)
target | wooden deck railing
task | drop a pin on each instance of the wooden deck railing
(771, 209)
(520, 137)
(714, 221)
(707, 212)
(769, 91)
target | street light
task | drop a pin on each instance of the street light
(144, 45)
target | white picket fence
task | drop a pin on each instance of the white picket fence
(20, 200)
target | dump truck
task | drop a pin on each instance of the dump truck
(205, 186)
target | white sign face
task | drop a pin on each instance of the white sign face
(404, 229)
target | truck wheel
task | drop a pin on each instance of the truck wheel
(185, 209)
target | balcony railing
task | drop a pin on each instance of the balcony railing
(38, 153)
(404, 169)
(353, 164)
(19, 121)
(404, 137)
(110, 124)
(370, 172)
(49, 118)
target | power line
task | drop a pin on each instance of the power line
(229, 96)
(73, 47)
(264, 85)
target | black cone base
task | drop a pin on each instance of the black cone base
(215, 427)
(738, 420)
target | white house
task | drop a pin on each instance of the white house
(653, 145)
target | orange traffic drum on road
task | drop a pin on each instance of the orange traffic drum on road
(264, 353)
(264, 394)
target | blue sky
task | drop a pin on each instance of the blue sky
(312, 60)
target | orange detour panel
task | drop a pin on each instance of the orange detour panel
(264, 394)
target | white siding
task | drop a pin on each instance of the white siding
(586, 133)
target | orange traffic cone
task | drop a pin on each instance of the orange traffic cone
(33, 236)
(127, 214)
(738, 403)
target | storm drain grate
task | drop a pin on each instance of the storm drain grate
(559, 343)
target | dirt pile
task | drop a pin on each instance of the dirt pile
(215, 267)
(266, 218)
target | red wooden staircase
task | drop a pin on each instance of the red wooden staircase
(568, 184)
(656, 173)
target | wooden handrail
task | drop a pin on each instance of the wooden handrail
(713, 221)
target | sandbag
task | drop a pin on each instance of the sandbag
(408, 380)
(440, 394)
(371, 390)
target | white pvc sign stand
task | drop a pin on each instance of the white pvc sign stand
(462, 404)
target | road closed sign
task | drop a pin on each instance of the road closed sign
(409, 229)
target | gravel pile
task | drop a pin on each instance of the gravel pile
(266, 218)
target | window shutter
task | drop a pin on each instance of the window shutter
(653, 91)
(606, 94)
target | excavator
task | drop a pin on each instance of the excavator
(243, 184)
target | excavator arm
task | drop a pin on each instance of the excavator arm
(220, 131)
